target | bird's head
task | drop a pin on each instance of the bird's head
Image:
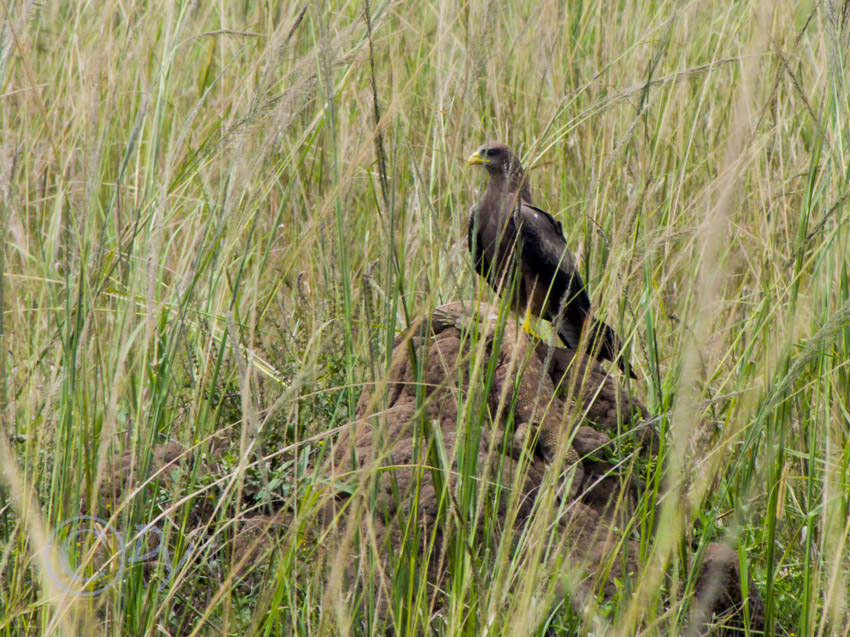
(505, 169)
(497, 158)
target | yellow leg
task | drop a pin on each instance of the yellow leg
(526, 324)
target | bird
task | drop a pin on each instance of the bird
(521, 250)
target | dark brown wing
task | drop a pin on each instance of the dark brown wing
(545, 253)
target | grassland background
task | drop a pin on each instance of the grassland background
(216, 216)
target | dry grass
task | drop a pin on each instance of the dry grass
(217, 216)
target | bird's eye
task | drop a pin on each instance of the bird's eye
(486, 152)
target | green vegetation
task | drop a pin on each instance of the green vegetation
(218, 216)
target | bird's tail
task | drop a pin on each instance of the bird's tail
(603, 343)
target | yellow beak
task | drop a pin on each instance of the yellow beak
(475, 158)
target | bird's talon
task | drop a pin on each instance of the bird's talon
(526, 326)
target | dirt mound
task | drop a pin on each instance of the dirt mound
(548, 424)
(539, 402)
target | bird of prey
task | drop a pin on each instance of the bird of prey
(521, 249)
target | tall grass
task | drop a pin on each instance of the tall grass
(218, 216)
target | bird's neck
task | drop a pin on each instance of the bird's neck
(513, 186)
